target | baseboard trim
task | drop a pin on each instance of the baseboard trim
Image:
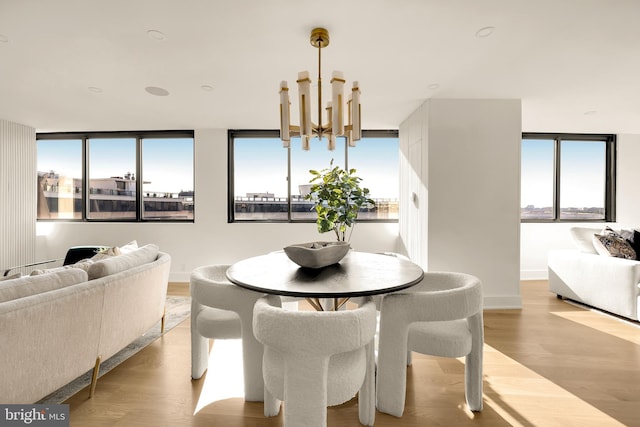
(505, 302)
(534, 274)
(180, 277)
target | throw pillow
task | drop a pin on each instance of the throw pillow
(635, 243)
(113, 265)
(37, 272)
(106, 253)
(613, 245)
(608, 231)
(129, 247)
(583, 238)
(627, 235)
(83, 264)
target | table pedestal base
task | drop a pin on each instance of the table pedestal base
(327, 304)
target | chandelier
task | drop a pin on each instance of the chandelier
(335, 125)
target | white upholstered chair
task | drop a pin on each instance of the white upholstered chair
(440, 316)
(222, 310)
(316, 359)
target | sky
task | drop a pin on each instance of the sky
(582, 173)
(167, 162)
(260, 164)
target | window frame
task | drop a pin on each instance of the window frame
(610, 174)
(139, 136)
(274, 133)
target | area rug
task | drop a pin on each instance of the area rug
(177, 310)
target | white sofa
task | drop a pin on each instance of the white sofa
(604, 282)
(56, 326)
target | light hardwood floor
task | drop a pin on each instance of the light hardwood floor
(549, 364)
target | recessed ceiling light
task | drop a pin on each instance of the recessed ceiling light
(157, 91)
(156, 35)
(95, 89)
(485, 32)
(4, 39)
(433, 86)
(207, 88)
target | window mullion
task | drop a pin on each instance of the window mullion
(610, 184)
(86, 185)
(289, 202)
(556, 178)
(346, 155)
(139, 180)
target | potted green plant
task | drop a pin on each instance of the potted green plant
(337, 198)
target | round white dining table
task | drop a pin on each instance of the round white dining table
(357, 274)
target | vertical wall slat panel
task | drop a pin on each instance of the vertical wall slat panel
(18, 194)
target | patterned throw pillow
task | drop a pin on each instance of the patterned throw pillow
(608, 231)
(627, 235)
(106, 253)
(612, 244)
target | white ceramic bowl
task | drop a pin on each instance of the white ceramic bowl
(317, 254)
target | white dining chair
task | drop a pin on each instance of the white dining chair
(440, 316)
(315, 359)
(222, 310)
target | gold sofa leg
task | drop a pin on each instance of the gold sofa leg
(164, 315)
(94, 378)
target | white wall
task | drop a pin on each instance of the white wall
(210, 239)
(414, 195)
(535, 241)
(628, 180)
(538, 238)
(470, 170)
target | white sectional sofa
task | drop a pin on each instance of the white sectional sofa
(56, 326)
(605, 282)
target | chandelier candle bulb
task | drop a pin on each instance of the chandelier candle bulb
(331, 138)
(304, 91)
(349, 128)
(356, 131)
(337, 96)
(285, 135)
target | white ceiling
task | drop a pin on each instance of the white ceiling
(574, 63)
